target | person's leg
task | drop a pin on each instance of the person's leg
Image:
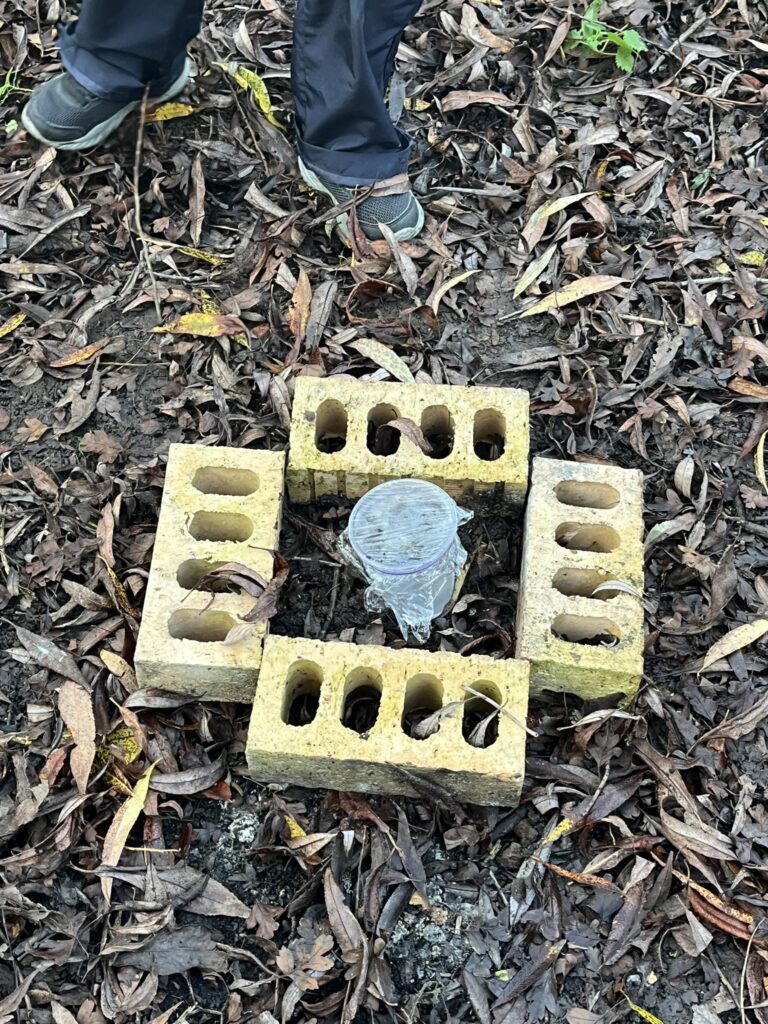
(111, 53)
(115, 48)
(342, 59)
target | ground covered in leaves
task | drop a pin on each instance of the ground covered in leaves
(631, 881)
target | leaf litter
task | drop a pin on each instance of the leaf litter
(595, 188)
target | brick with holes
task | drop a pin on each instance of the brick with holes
(219, 505)
(341, 444)
(347, 716)
(580, 611)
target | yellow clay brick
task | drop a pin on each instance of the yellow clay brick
(341, 408)
(596, 512)
(330, 677)
(219, 505)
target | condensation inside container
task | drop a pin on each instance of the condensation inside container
(402, 538)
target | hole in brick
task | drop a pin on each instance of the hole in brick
(238, 483)
(423, 698)
(490, 435)
(437, 428)
(189, 574)
(383, 440)
(582, 583)
(205, 627)
(362, 697)
(480, 724)
(588, 630)
(587, 494)
(220, 526)
(331, 427)
(578, 537)
(302, 693)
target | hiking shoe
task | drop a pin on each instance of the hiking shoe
(64, 114)
(402, 213)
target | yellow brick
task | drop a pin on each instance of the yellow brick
(342, 408)
(597, 511)
(385, 759)
(219, 505)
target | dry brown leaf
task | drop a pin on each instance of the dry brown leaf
(474, 30)
(749, 388)
(444, 288)
(537, 223)
(760, 461)
(298, 317)
(77, 711)
(460, 98)
(385, 358)
(532, 271)
(733, 641)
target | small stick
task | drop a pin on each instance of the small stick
(332, 609)
(137, 201)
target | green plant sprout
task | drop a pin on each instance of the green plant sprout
(10, 84)
(594, 39)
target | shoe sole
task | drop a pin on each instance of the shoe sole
(342, 221)
(101, 132)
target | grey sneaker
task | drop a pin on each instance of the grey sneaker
(63, 114)
(402, 214)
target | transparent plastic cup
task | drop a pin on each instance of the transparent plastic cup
(402, 536)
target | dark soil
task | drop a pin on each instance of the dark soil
(650, 892)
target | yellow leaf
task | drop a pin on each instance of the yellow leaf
(168, 111)
(417, 105)
(573, 292)
(198, 254)
(77, 711)
(120, 743)
(207, 304)
(753, 258)
(447, 285)
(81, 354)
(384, 357)
(12, 323)
(644, 1013)
(210, 305)
(295, 831)
(254, 84)
(739, 637)
(558, 831)
(202, 325)
(122, 823)
(760, 461)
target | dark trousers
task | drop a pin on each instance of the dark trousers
(343, 55)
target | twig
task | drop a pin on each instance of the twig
(332, 608)
(743, 977)
(137, 201)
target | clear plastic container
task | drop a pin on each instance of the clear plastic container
(402, 538)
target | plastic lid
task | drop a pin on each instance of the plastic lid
(403, 526)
